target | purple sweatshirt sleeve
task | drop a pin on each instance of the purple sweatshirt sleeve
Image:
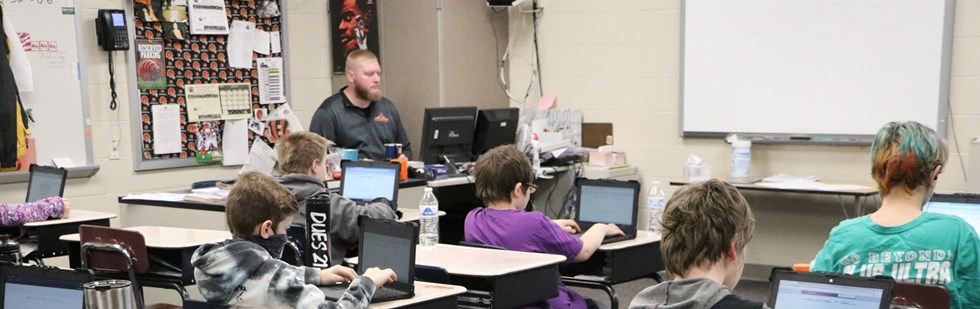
(17, 214)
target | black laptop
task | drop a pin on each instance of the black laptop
(385, 244)
(966, 206)
(42, 287)
(804, 290)
(364, 181)
(608, 201)
(45, 182)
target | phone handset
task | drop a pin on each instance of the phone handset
(111, 30)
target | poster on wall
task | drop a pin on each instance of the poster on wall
(149, 65)
(354, 25)
(208, 142)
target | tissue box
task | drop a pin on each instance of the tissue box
(606, 159)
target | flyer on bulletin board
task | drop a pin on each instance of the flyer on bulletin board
(149, 65)
(207, 140)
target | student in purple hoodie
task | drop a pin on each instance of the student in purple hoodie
(504, 181)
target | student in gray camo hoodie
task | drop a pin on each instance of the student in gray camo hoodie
(706, 226)
(246, 271)
(302, 160)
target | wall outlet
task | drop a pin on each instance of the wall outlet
(114, 150)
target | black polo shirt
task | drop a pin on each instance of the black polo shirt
(364, 129)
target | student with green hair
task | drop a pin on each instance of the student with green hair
(899, 240)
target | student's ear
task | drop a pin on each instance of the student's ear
(935, 173)
(516, 193)
(266, 229)
(732, 252)
(314, 167)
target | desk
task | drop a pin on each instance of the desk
(197, 215)
(859, 195)
(47, 232)
(499, 278)
(172, 245)
(427, 295)
(412, 214)
(623, 260)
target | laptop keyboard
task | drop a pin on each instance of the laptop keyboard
(383, 294)
(616, 238)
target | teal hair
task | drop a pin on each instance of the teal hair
(906, 153)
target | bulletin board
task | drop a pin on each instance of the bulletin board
(48, 31)
(196, 60)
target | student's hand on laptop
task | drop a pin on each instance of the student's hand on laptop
(67, 208)
(568, 225)
(337, 274)
(381, 276)
(613, 230)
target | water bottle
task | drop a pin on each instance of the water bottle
(741, 158)
(655, 206)
(429, 217)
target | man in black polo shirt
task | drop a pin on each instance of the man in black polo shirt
(358, 117)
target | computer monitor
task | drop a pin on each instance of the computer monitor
(447, 133)
(494, 127)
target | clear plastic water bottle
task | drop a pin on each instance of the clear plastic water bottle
(429, 217)
(656, 201)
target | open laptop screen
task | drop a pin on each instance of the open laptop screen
(797, 294)
(606, 204)
(41, 293)
(45, 182)
(39, 287)
(792, 290)
(365, 183)
(384, 251)
(966, 207)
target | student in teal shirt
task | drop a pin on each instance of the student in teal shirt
(898, 239)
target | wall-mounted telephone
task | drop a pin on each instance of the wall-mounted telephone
(111, 30)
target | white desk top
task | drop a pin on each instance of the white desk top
(642, 237)
(412, 214)
(170, 237)
(451, 181)
(74, 216)
(424, 291)
(480, 262)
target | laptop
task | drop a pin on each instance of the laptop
(802, 290)
(608, 201)
(966, 206)
(45, 182)
(42, 287)
(364, 181)
(385, 244)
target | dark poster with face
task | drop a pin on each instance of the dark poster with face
(354, 25)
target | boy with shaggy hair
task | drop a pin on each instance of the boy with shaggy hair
(706, 226)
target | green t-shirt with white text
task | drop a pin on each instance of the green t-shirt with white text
(935, 249)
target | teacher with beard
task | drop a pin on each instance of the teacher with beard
(358, 117)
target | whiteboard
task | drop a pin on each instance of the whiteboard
(820, 70)
(59, 104)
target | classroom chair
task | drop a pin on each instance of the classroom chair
(434, 274)
(118, 251)
(568, 281)
(917, 295)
